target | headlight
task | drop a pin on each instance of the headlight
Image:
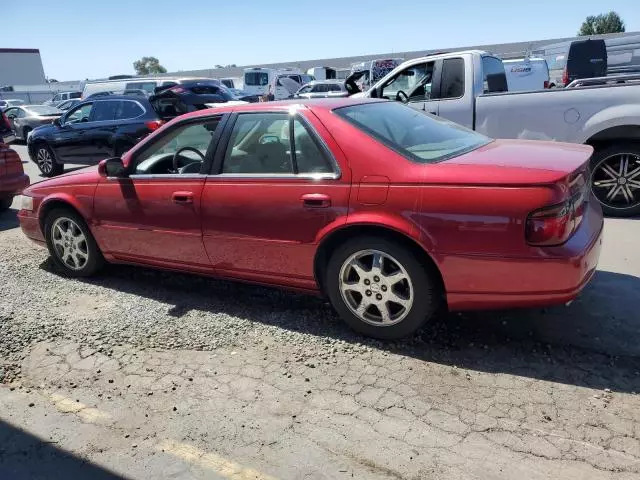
(26, 203)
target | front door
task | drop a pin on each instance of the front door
(271, 197)
(153, 215)
(71, 142)
(413, 86)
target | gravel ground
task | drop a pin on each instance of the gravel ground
(586, 358)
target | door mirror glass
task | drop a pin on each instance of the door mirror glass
(111, 167)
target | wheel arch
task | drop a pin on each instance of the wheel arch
(52, 203)
(343, 234)
(627, 133)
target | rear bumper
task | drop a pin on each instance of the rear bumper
(557, 276)
(13, 184)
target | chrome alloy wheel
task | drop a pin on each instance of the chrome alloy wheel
(44, 160)
(616, 181)
(376, 288)
(69, 243)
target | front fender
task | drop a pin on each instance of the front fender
(81, 201)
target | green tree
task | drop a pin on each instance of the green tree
(603, 23)
(148, 66)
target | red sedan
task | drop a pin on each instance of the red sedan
(387, 211)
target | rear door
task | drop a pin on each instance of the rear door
(71, 142)
(271, 195)
(587, 59)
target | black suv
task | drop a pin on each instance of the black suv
(91, 131)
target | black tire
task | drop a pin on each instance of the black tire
(25, 133)
(94, 260)
(46, 161)
(5, 203)
(612, 156)
(424, 288)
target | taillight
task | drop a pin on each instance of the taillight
(154, 125)
(546, 84)
(178, 89)
(554, 225)
(565, 77)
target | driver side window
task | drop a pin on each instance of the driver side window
(80, 114)
(181, 150)
(414, 82)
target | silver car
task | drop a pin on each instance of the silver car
(322, 89)
(25, 118)
(10, 102)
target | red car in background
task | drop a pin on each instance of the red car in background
(388, 211)
(12, 176)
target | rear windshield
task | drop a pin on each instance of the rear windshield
(256, 78)
(417, 136)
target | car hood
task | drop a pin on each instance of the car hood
(517, 162)
(83, 176)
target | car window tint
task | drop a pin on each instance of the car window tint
(75, 95)
(259, 144)
(321, 88)
(452, 85)
(334, 88)
(158, 158)
(414, 81)
(418, 137)
(127, 110)
(105, 111)
(309, 156)
(80, 114)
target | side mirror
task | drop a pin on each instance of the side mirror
(111, 167)
(57, 122)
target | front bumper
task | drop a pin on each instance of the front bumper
(30, 225)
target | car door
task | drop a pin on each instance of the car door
(12, 115)
(413, 85)
(71, 141)
(264, 206)
(153, 215)
(450, 91)
(102, 130)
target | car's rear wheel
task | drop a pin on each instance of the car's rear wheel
(380, 288)
(615, 179)
(25, 133)
(5, 203)
(71, 244)
(46, 161)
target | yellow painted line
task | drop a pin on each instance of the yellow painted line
(211, 461)
(85, 413)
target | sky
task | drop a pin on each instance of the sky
(98, 38)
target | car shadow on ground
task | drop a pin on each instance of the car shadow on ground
(594, 342)
(25, 457)
(9, 219)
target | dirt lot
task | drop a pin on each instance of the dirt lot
(141, 374)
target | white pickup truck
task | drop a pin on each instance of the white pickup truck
(470, 88)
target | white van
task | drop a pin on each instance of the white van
(148, 84)
(264, 81)
(322, 73)
(526, 74)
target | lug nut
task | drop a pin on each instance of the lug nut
(367, 282)
(376, 278)
(384, 288)
(368, 293)
(379, 297)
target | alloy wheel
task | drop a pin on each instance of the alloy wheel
(616, 181)
(44, 160)
(70, 243)
(376, 288)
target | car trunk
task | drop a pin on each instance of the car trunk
(180, 99)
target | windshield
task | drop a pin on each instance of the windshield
(256, 78)
(419, 137)
(43, 110)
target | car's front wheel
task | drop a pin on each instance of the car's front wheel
(71, 244)
(380, 288)
(615, 179)
(46, 161)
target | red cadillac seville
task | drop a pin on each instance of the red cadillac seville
(387, 211)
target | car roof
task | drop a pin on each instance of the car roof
(102, 98)
(318, 104)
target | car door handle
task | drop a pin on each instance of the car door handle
(316, 200)
(182, 198)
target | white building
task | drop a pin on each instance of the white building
(21, 66)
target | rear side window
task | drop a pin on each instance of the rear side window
(128, 110)
(493, 76)
(75, 95)
(256, 78)
(334, 88)
(413, 134)
(321, 88)
(105, 111)
(452, 85)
